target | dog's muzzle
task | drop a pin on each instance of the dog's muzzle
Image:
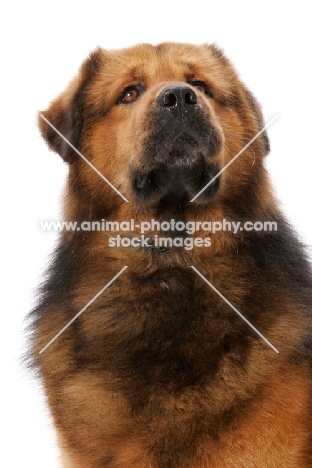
(178, 155)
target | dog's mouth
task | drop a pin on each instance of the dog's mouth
(185, 141)
(178, 182)
(177, 171)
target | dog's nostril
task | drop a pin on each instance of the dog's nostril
(190, 98)
(170, 100)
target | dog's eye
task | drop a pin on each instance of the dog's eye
(202, 87)
(130, 94)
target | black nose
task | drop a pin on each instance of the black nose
(177, 95)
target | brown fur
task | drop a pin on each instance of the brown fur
(159, 372)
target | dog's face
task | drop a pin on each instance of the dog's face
(159, 122)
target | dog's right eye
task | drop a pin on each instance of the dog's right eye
(202, 87)
(130, 94)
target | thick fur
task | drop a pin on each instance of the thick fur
(159, 372)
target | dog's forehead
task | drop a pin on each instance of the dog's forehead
(166, 61)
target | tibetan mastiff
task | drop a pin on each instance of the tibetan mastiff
(187, 346)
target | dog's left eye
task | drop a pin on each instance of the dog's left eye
(130, 94)
(201, 86)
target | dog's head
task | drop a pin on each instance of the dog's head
(159, 123)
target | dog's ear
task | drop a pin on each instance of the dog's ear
(256, 109)
(66, 111)
(246, 96)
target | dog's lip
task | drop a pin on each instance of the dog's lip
(185, 138)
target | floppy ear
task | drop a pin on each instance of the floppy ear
(251, 100)
(255, 107)
(66, 111)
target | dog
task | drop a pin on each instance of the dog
(190, 346)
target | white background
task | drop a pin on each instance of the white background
(42, 46)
